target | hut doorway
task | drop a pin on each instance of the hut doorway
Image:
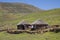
(22, 27)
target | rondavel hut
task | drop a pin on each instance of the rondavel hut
(39, 24)
(23, 25)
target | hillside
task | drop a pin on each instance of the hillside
(51, 16)
(17, 8)
(13, 13)
(10, 20)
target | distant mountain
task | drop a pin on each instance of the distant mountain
(17, 8)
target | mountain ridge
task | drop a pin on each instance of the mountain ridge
(18, 8)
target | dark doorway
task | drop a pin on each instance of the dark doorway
(21, 27)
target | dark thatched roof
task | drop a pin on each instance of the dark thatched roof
(39, 22)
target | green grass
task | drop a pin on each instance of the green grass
(10, 20)
(25, 36)
(51, 16)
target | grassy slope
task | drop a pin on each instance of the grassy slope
(50, 16)
(17, 8)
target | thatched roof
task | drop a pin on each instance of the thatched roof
(23, 22)
(39, 22)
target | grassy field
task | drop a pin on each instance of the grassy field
(10, 20)
(25, 36)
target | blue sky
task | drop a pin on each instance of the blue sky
(43, 4)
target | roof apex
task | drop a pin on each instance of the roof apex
(23, 22)
(39, 22)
